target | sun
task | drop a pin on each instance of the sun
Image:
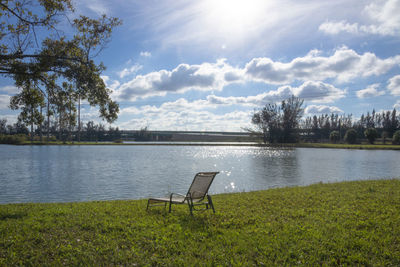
(234, 16)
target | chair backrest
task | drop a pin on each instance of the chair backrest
(200, 185)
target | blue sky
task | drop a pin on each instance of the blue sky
(207, 64)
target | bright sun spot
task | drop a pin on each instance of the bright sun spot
(234, 16)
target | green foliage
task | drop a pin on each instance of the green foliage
(384, 136)
(396, 138)
(16, 139)
(351, 136)
(334, 136)
(347, 146)
(279, 123)
(349, 224)
(371, 134)
(41, 59)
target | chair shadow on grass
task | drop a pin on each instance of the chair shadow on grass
(200, 221)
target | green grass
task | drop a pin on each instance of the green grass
(350, 223)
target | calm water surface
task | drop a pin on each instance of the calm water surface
(81, 173)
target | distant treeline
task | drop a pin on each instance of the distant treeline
(316, 128)
(320, 128)
(284, 123)
(90, 131)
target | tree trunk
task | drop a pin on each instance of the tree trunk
(59, 127)
(31, 124)
(69, 119)
(40, 125)
(79, 118)
(48, 120)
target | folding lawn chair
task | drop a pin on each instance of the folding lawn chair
(197, 194)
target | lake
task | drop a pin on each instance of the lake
(83, 173)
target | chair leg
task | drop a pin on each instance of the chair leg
(170, 204)
(147, 208)
(190, 208)
(211, 203)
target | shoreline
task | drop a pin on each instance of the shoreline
(248, 144)
(259, 191)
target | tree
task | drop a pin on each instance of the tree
(371, 134)
(292, 112)
(279, 123)
(396, 138)
(267, 120)
(3, 126)
(29, 100)
(385, 135)
(334, 136)
(351, 136)
(34, 51)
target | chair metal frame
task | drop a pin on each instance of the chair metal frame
(192, 198)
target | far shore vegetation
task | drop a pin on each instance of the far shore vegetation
(23, 140)
(275, 125)
(338, 224)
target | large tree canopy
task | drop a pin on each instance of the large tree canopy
(279, 123)
(39, 55)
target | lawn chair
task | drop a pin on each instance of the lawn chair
(197, 194)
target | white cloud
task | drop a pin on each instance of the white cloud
(319, 92)
(397, 105)
(337, 27)
(384, 16)
(344, 65)
(180, 104)
(113, 85)
(203, 77)
(322, 109)
(189, 119)
(105, 78)
(145, 54)
(98, 7)
(394, 85)
(135, 68)
(197, 115)
(11, 118)
(309, 91)
(9, 89)
(4, 101)
(370, 91)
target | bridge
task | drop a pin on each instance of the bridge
(188, 135)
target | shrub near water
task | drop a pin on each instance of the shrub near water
(371, 135)
(352, 223)
(13, 139)
(334, 136)
(396, 138)
(351, 136)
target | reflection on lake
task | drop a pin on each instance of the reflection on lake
(81, 173)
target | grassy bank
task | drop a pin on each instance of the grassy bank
(353, 223)
(345, 146)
